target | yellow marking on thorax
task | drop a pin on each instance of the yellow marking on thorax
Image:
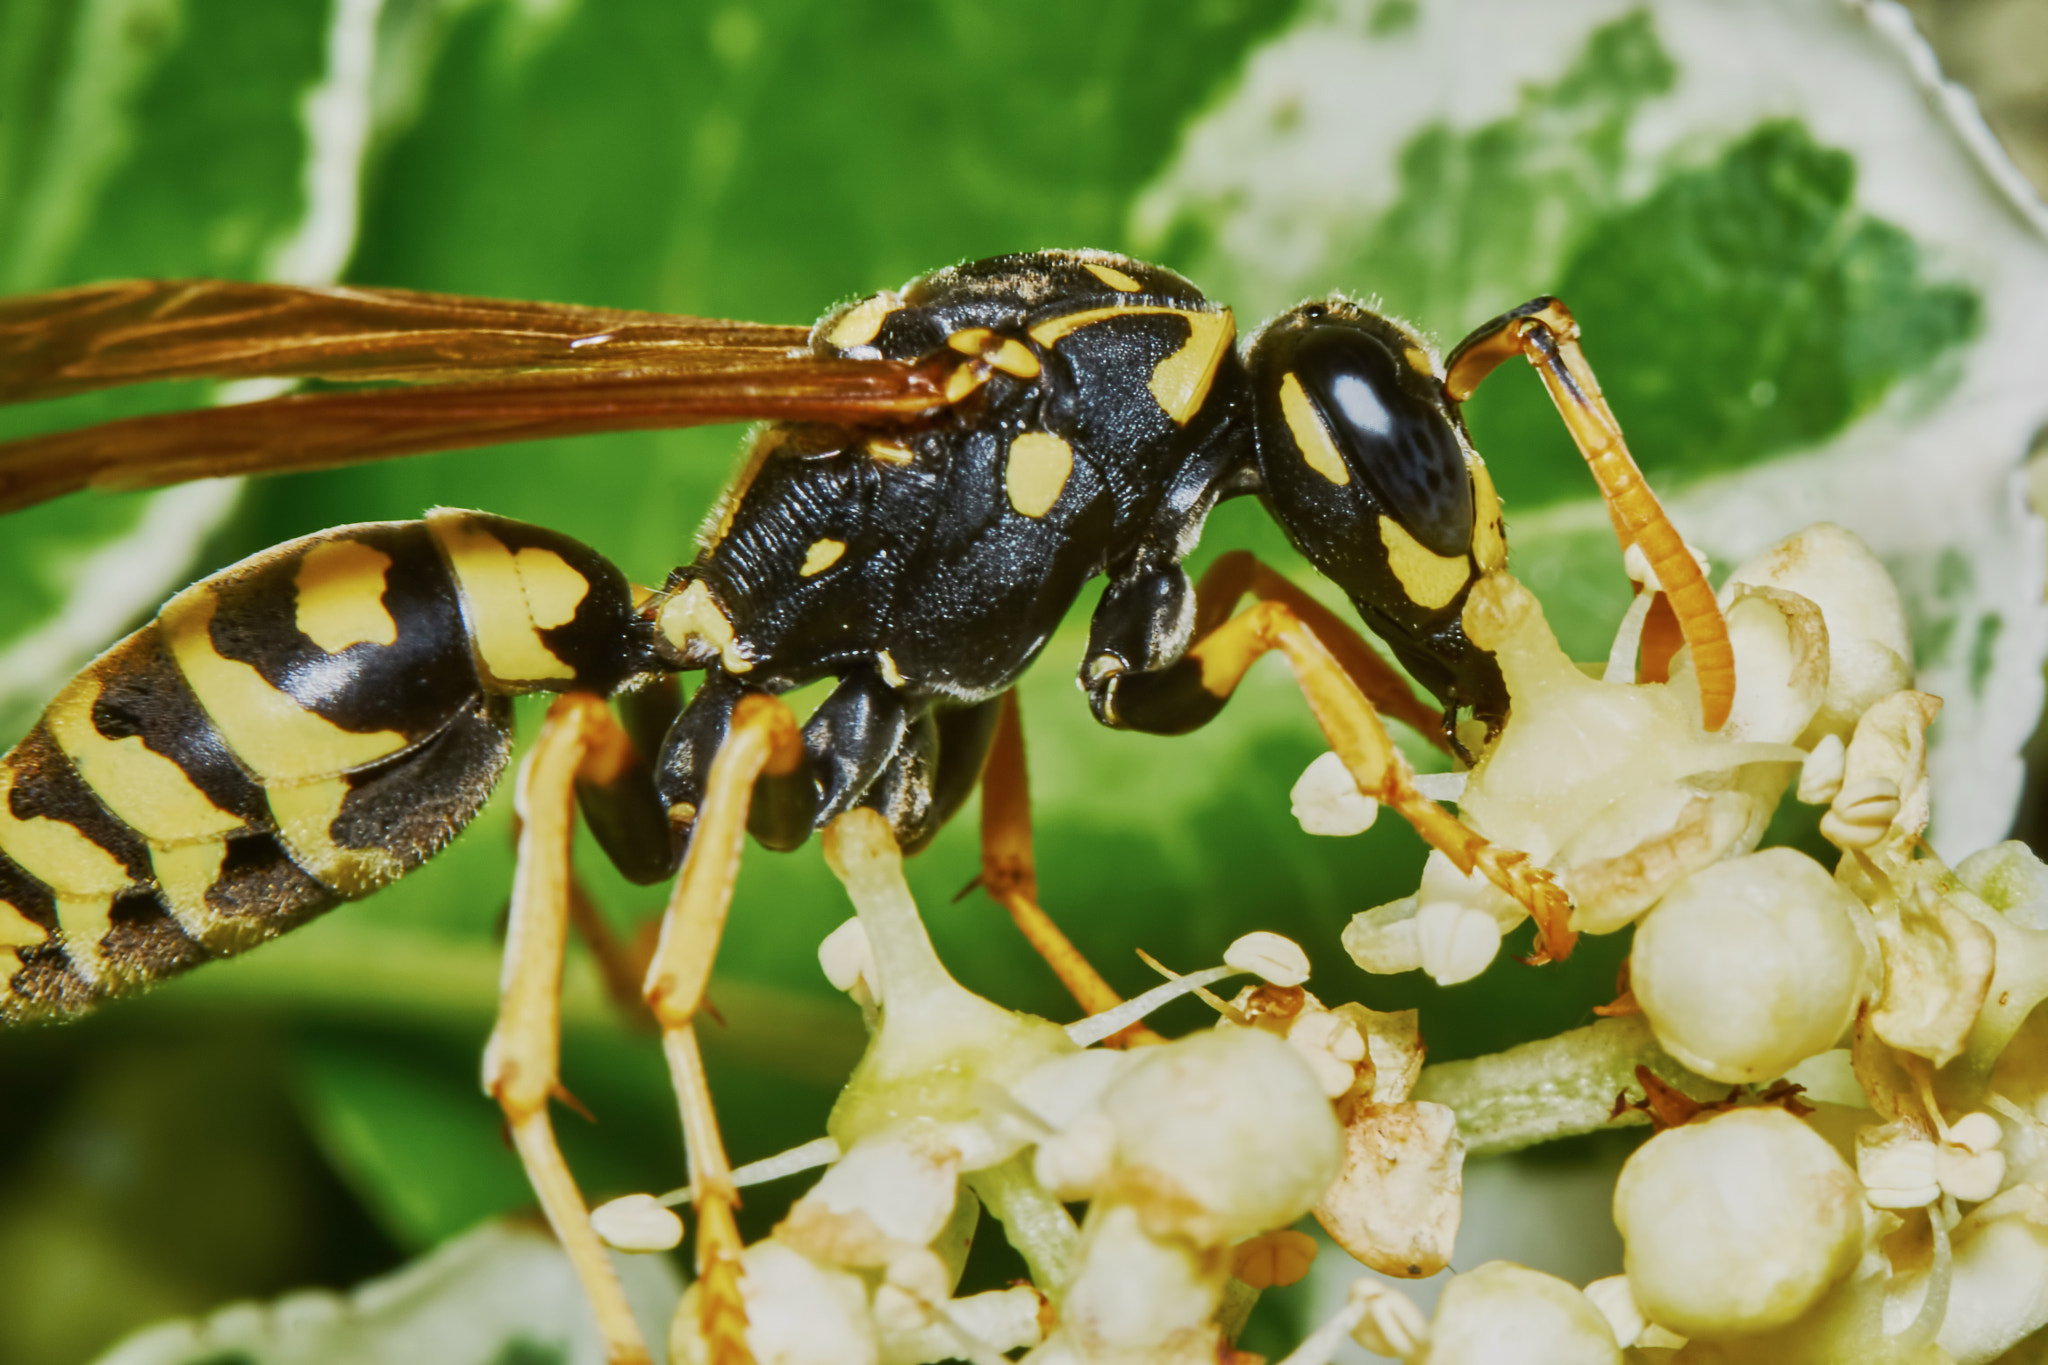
(340, 589)
(822, 555)
(142, 787)
(1114, 278)
(1007, 354)
(691, 614)
(964, 380)
(1180, 383)
(508, 599)
(1037, 470)
(885, 664)
(765, 443)
(1489, 536)
(276, 738)
(1311, 436)
(305, 814)
(1431, 580)
(860, 324)
(890, 452)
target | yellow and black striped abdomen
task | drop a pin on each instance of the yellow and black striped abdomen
(297, 730)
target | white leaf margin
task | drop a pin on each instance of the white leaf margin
(472, 1301)
(1920, 480)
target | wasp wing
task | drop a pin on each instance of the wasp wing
(545, 370)
(135, 331)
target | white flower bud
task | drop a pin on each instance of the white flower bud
(847, 958)
(637, 1222)
(1506, 1314)
(1737, 1223)
(1861, 813)
(1976, 1133)
(1393, 1325)
(1277, 959)
(1870, 652)
(1327, 801)
(1970, 1177)
(914, 1287)
(1331, 1045)
(1820, 777)
(1234, 1123)
(1073, 1163)
(1750, 966)
(1612, 1297)
(1329, 1031)
(1458, 942)
(1896, 1164)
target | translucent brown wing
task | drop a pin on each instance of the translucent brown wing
(134, 331)
(547, 370)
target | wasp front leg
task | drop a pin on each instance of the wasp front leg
(1188, 692)
(1544, 332)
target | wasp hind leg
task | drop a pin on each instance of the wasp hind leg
(1544, 333)
(1188, 692)
(522, 1061)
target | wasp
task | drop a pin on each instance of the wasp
(942, 469)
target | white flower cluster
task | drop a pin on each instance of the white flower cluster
(1878, 1193)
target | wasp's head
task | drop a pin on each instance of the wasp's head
(1367, 468)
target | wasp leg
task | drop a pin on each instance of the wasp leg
(1544, 332)
(521, 1063)
(1134, 622)
(1009, 873)
(1216, 664)
(761, 741)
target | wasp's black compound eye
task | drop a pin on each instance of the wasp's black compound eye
(1378, 410)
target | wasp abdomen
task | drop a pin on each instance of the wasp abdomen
(297, 730)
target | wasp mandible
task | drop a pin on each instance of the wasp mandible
(945, 467)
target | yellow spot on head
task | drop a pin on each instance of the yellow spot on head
(1114, 278)
(822, 555)
(1431, 580)
(1418, 360)
(691, 615)
(1038, 468)
(1489, 536)
(340, 588)
(1311, 436)
(140, 786)
(860, 324)
(276, 738)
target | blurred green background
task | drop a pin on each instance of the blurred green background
(311, 1115)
